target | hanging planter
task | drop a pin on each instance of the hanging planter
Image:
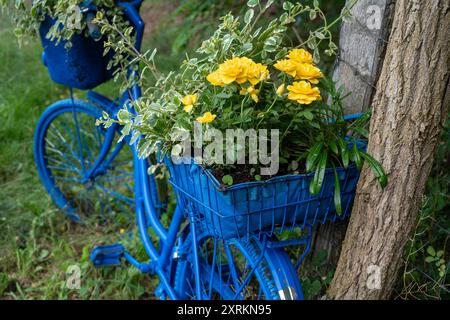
(82, 65)
(73, 44)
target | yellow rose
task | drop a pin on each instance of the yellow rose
(233, 70)
(287, 66)
(206, 118)
(189, 101)
(252, 92)
(308, 72)
(239, 70)
(188, 108)
(300, 56)
(215, 79)
(281, 89)
(303, 92)
(257, 72)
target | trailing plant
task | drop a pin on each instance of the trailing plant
(246, 77)
(69, 16)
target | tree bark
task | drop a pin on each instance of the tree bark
(410, 106)
(362, 45)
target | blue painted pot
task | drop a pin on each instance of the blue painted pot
(247, 209)
(83, 66)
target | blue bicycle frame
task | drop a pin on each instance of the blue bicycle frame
(145, 186)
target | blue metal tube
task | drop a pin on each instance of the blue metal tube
(104, 151)
(171, 236)
(142, 168)
(143, 267)
(196, 261)
(140, 213)
(162, 277)
(148, 245)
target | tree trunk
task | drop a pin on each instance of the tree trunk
(410, 106)
(362, 45)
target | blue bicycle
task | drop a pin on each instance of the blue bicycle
(220, 243)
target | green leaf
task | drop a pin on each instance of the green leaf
(344, 152)
(376, 168)
(429, 259)
(316, 287)
(319, 35)
(249, 16)
(362, 131)
(269, 4)
(430, 251)
(227, 40)
(228, 180)
(123, 115)
(333, 146)
(308, 115)
(319, 175)
(313, 155)
(337, 193)
(252, 3)
(356, 156)
(287, 5)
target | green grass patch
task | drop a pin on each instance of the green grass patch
(37, 241)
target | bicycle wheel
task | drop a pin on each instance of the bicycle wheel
(67, 144)
(236, 270)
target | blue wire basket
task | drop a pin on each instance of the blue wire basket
(254, 208)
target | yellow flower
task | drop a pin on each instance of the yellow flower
(239, 70)
(233, 70)
(215, 79)
(257, 72)
(206, 118)
(252, 92)
(189, 101)
(300, 56)
(122, 231)
(280, 89)
(287, 66)
(308, 72)
(188, 108)
(303, 92)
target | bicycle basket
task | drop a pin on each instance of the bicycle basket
(252, 208)
(81, 66)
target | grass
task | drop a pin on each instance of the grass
(37, 242)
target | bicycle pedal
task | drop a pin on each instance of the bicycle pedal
(107, 255)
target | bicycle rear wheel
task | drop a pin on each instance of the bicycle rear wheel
(67, 144)
(235, 270)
